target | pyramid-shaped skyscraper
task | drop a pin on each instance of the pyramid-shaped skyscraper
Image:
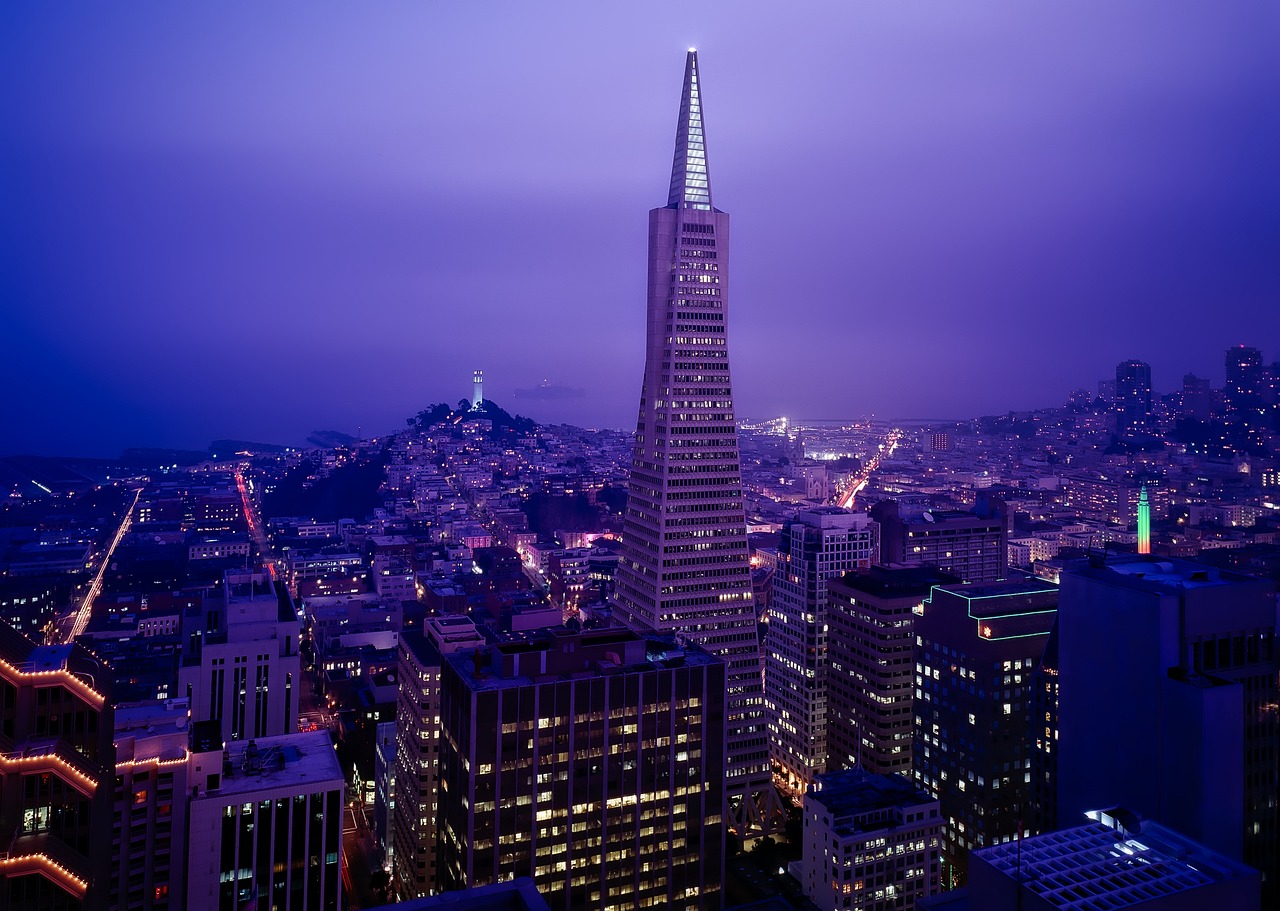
(684, 567)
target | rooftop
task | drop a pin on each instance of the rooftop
(853, 792)
(560, 654)
(289, 760)
(897, 581)
(1003, 598)
(1162, 575)
(1106, 865)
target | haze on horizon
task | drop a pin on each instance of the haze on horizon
(232, 221)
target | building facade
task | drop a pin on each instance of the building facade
(149, 825)
(974, 545)
(977, 651)
(871, 842)
(417, 774)
(1194, 648)
(815, 546)
(684, 567)
(266, 825)
(870, 665)
(55, 775)
(241, 665)
(593, 763)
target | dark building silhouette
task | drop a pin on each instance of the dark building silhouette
(1133, 396)
(1243, 391)
(1167, 696)
(978, 649)
(1197, 398)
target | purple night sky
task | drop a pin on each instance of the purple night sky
(237, 221)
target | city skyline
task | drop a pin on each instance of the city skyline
(255, 225)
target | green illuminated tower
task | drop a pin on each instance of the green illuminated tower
(1144, 522)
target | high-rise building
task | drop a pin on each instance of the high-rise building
(870, 665)
(684, 567)
(973, 545)
(815, 546)
(1243, 391)
(240, 666)
(1195, 741)
(978, 647)
(870, 842)
(56, 760)
(417, 774)
(1133, 396)
(149, 827)
(1197, 398)
(591, 762)
(266, 823)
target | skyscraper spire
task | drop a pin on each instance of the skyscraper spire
(690, 182)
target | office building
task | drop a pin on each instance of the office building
(149, 825)
(684, 567)
(591, 762)
(1167, 688)
(417, 775)
(266, 823)
(814, 546)
(870, 665)
(870, 842)
(240, 663)
(977, 650)
(1133, 396)
(55, 775)
(1115, 862)
(973, 546)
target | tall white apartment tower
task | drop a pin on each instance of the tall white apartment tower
(684, 566)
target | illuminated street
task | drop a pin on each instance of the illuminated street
(85, 610)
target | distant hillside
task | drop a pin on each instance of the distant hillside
(502, 420)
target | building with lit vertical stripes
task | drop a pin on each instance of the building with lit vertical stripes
(684, 567)
(266, 824)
